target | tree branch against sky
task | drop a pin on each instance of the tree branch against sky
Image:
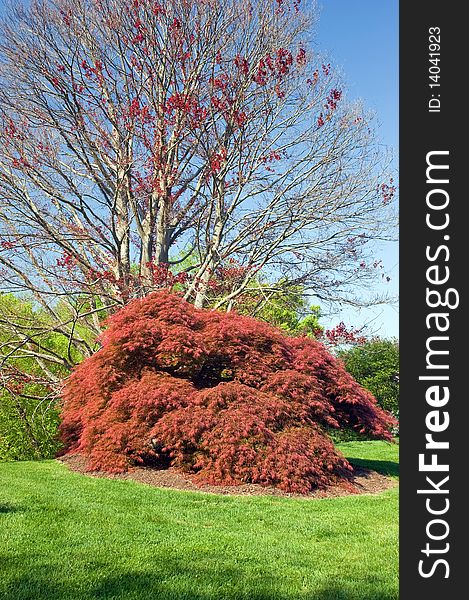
(136, 134)
(363, 39)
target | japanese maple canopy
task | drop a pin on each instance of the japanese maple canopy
(136, 133)
(223, 397)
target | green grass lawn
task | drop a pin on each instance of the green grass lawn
(67, 536)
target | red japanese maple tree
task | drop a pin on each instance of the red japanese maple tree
(223, 397)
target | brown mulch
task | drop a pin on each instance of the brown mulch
(364, 481)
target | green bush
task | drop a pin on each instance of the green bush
(30, 375)
(375, 365)
(28, 428)
(288, 309)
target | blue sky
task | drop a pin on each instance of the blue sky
(361, 36)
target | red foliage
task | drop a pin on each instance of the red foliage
(341, 334)
(224, 397)
(388, 191)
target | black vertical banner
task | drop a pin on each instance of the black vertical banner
(434, 341)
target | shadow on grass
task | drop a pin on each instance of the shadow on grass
(172, 580)
(336, 593)
(9, 508)
(385, 467)
(265, 588)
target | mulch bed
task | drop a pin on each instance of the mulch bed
(364, 481)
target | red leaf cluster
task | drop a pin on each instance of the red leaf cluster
(223, 397)
(341, 334)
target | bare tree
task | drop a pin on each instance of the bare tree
(135, 134)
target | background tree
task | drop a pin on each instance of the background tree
(290, 311)
(375, 365)
(134, 134)
(30, 386)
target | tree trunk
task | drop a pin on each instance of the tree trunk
(123, 243)
(207, 268)
(162, 234)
